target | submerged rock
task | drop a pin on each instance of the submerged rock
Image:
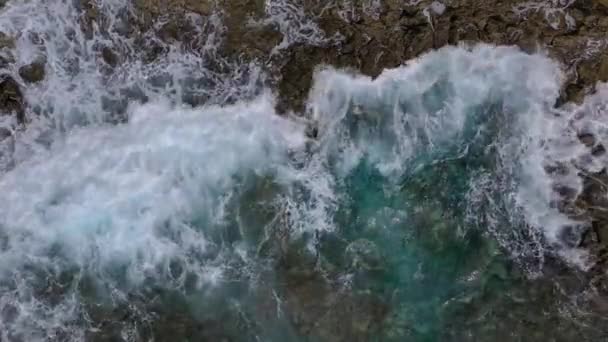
(292, 39)
(289, 46)
(11, 98)
(109, 56)
(6, 41)
(322, 311)
(363, 254)
(373, 38)
(6, 44)
(33, 72)
(602, 2)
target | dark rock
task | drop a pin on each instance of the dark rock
(6, 41)
(602, 2)
(11, 98)
(312, 131)
(159, 7)
(559, 169)
(109, 56)
(89, 16)
(603, 69)
(601, 231)
(369, 43)
(322, 312)
(386, 38)
(587, 139)
(3, 62)
(33, 72)
(572, 236)
(565, 192)
(354, 317)
(598, 150)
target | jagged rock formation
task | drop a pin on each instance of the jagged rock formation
(289, 41)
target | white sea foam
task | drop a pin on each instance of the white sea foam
(80, 88)
(554, 12)
(421, 108)
(89, 197)
(296, 26)
(352, 11)
(464, 79)
(127, 195)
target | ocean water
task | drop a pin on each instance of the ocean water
(164, 200)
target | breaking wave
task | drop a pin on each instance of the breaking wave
(189, 197)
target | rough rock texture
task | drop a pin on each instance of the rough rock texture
(371, 40)
(33, 72)
(368, 39)
(11, 98)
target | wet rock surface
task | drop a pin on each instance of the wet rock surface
(368, 39)
(372, 39)
(367, 36)
(370, 36)
(11, 98)
(33, 72)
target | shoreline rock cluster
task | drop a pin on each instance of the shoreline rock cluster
(370, 36)
(289, 42)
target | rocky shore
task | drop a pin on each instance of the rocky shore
(288, 40)
(370, 36)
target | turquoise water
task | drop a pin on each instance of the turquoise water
(420, 211)
(412, 242)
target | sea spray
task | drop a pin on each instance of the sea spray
(401, 194)
(81, 87)
(126, 197)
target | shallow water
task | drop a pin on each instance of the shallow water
(420, 210)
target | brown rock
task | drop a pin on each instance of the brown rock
(603, 69)
(109, 56)
(202, 7)
(158, 7)
(601, 229)
(33, 73)
(602, 2)
(587, 139)
(6, 41)
(598, 150)
(11, 98)
(89, 15)
(441, 33)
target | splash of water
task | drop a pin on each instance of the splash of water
(129, 196)
(84, 86)
(457, 141)
(554, 12)
(296, 26)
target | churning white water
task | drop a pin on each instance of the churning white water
(124, 203)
